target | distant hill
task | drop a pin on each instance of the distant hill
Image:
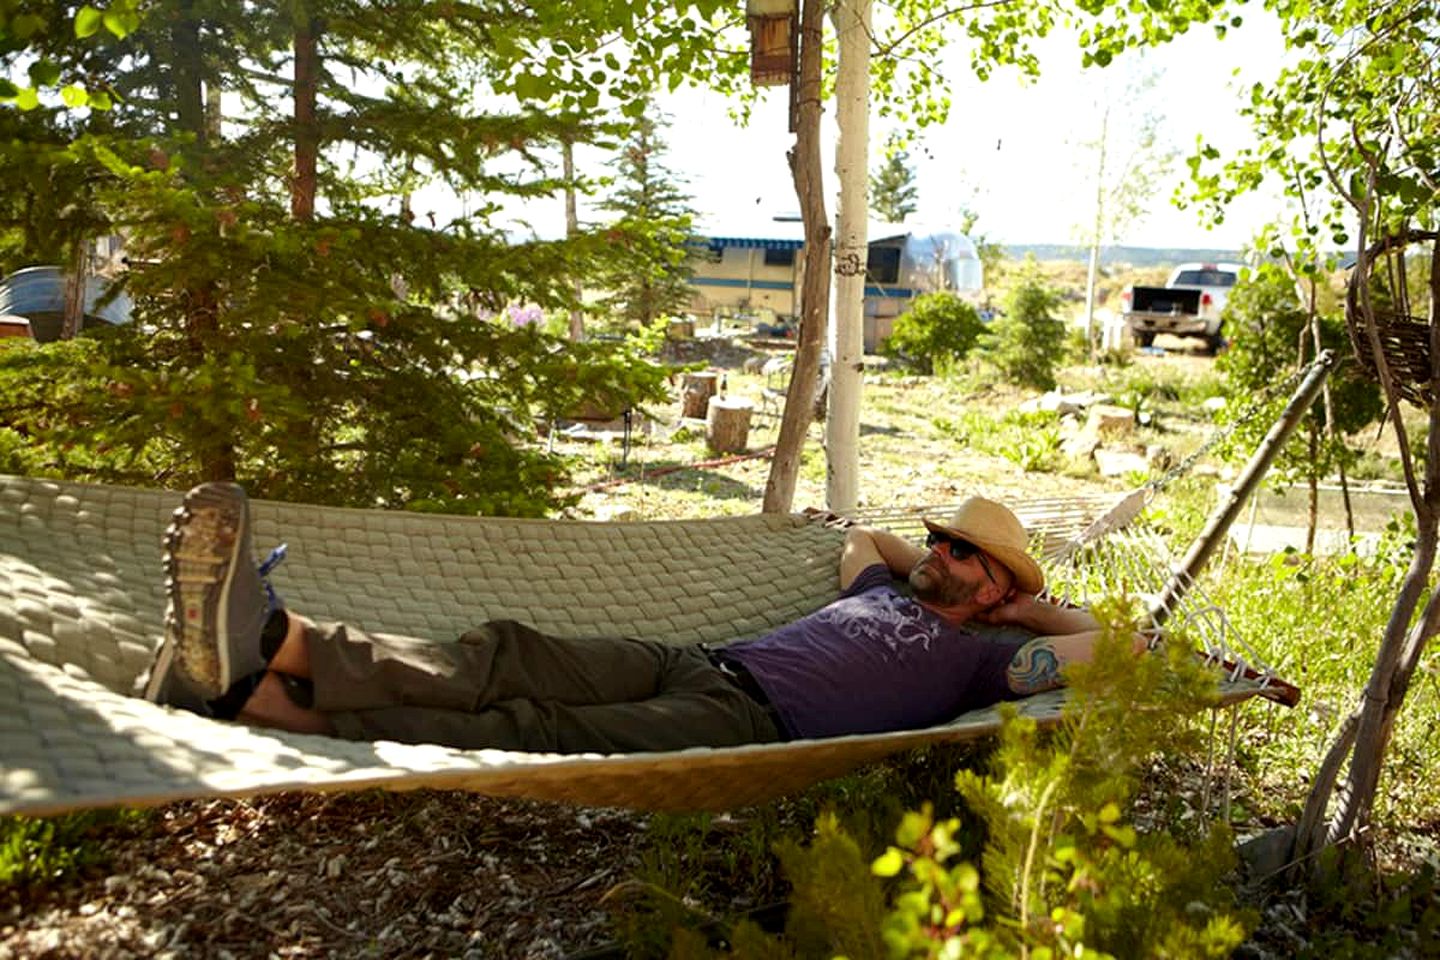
(1136, 256)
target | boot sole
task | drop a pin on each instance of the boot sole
(201, 550)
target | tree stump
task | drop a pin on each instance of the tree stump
(727, 424)
(696, 392)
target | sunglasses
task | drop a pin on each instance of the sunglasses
(961, 550)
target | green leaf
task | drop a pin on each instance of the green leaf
(888, 864)
(44, 73)
(27, 99)
(118, 23)
(100, 100)
(87, 22)
(914, 825)
(529, 86)
(74, 95)
(129, 22)
(26, 25)
(8, 90)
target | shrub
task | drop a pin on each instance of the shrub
(1266, 326)
(434, 414)
(1028, 342)
(939, 330)
(1063, 874)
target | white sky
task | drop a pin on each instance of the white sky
(1013, 151)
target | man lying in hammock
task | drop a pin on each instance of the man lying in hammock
(874, 660)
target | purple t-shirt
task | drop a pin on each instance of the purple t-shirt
(872, 661)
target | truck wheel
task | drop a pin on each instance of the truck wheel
(1215, 342)
(1143, 338)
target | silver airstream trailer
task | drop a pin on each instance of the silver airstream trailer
(755, 268)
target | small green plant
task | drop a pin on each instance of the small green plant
(1034, 451)
(39, 850)
(1028, 342)
(1031, 440)
(938, 331)
(1063, 874)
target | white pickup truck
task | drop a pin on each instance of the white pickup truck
(1189, 305)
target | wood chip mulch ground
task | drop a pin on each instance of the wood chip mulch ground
(428, 874)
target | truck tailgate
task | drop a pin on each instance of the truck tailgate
(1178, 300)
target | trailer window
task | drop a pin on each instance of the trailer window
(779, 258)
(883, 265)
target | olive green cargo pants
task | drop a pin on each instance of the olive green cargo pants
(507, 686)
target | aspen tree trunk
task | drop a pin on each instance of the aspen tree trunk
(852, 94)
(1364, 737)
(572, 228)
(214, 116)
(1093, 271)
(805, 168)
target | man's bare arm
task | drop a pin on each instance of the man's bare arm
(865, 546)
(1039, 616)
(1067, 635)
(1037, 665)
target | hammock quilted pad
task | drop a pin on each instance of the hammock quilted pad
(82, 609)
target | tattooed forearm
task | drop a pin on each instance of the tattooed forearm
(1034, 668)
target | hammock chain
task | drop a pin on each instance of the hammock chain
(1153, 487)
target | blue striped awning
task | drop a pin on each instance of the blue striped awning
(747, 243)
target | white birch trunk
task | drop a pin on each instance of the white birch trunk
(852, 94)
(572, 229)
(1096, 232)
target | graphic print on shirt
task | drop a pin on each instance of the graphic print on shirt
(890, 619)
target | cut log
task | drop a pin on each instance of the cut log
(727, 424)
(696, 392)
(680, 329)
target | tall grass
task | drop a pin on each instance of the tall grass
(1319, 621)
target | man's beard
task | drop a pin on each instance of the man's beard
(932, 581)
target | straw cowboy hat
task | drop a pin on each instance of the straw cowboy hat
(997, 531)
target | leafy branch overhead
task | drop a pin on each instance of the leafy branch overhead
(22, 29)
(909, 35)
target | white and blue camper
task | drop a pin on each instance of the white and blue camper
(37, 295)
(754, 267)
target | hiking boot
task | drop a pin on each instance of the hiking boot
(166, 686)
(219, 601)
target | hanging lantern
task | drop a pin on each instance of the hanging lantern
(773, 34)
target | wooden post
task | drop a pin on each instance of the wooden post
(696, 393)
(727, 424)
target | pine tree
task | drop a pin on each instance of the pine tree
(653, 222)
(893, 191)
(296, 326)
